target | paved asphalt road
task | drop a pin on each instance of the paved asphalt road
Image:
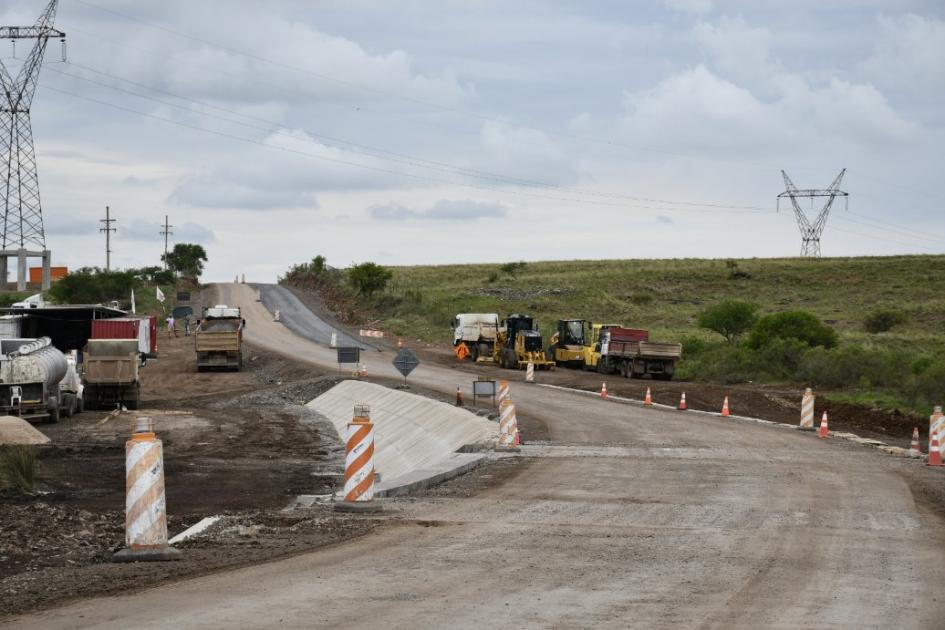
(300, 320)
(628, 518)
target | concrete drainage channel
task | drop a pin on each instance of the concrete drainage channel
(896, 451)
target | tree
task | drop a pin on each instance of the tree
(186, 259)
(800, 325)
(369, 278)
(729, 318)
(91, 285)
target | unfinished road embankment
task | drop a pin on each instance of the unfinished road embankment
(630, 517)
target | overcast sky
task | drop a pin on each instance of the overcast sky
(409, 132)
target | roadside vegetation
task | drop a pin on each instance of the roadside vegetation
(869, 328)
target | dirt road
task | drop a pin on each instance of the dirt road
(626, 517)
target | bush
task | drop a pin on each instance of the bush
(513, 267)
(729, 318)
(18, 468)
(369, 278)
(91, 285)
(882, 321)
(798, 325)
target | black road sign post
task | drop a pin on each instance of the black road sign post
(348, 355)
(405, 362)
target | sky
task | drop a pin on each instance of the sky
(407, 132)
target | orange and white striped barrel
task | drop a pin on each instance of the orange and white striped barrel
(504, 393)
(145, 505)
(936, 424)
(807, 409)
(530, 372)
(359, 457)
(508, 424)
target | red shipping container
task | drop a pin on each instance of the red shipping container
(629, 334)
(118, 328)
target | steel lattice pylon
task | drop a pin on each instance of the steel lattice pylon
(810, 232)
(19, 182)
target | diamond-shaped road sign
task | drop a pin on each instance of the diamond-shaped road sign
(406, 361)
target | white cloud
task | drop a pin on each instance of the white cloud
(909, 56)
(443, 210)
(288, 176)
(689, 6)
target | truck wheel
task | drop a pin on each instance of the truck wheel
(68, 405)
(484, 350)
(80, 404)
(54, 413)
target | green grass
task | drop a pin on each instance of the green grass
(666, 296)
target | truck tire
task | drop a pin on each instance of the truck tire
(80, 404)
(54, 413)
(509, 359)
(484, 350)
(68, 405)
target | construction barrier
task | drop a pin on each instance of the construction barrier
(504, 393)
(508, 425)
(530, 372)
(145, 504)
(807, 410)
(682, 402)
(936, 422)
(648, 400)
(359, 457)
(725, 411)
(334, 340)
(823, 431)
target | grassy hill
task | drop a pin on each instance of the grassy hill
(902, 368)
(666, 296)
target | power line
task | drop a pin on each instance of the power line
(419, 101)
(391, 171)
(377, 152)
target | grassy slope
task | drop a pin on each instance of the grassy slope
(665, 296)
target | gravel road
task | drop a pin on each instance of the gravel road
(625, 517)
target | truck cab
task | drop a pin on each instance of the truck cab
(478, 331)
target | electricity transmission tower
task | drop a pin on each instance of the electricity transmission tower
(19, 183)
(810, 232)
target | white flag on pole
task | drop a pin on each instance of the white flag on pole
(133, 300)
(160, 294)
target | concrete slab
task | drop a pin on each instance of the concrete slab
(453, 466)
(415, 437)
(15, 430)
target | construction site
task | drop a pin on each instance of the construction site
(624, 428)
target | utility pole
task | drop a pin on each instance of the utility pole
(166, 232)
(810, 232)
(108, 229)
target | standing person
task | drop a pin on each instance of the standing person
(170, 326)
(187, 326)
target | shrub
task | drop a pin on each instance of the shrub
(882, 321)
(493, 276)
(513, 267)
(18, 468)
(729, 318)
(369, 278)
(800, 325)
(91, 285)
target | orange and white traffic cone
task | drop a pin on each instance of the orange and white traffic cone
(914, 448)
(823, 431)
(459, 397)
(682, 402)
(518, 437)
(648, 400)
(400, 342)
(725, 411)
(359, 474)
(935, 453)
(603, 390)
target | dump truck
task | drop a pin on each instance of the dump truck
(111, 374)
(630, 352)
(519, 343)
(478, 333)
(35, 380)
(219, 339)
